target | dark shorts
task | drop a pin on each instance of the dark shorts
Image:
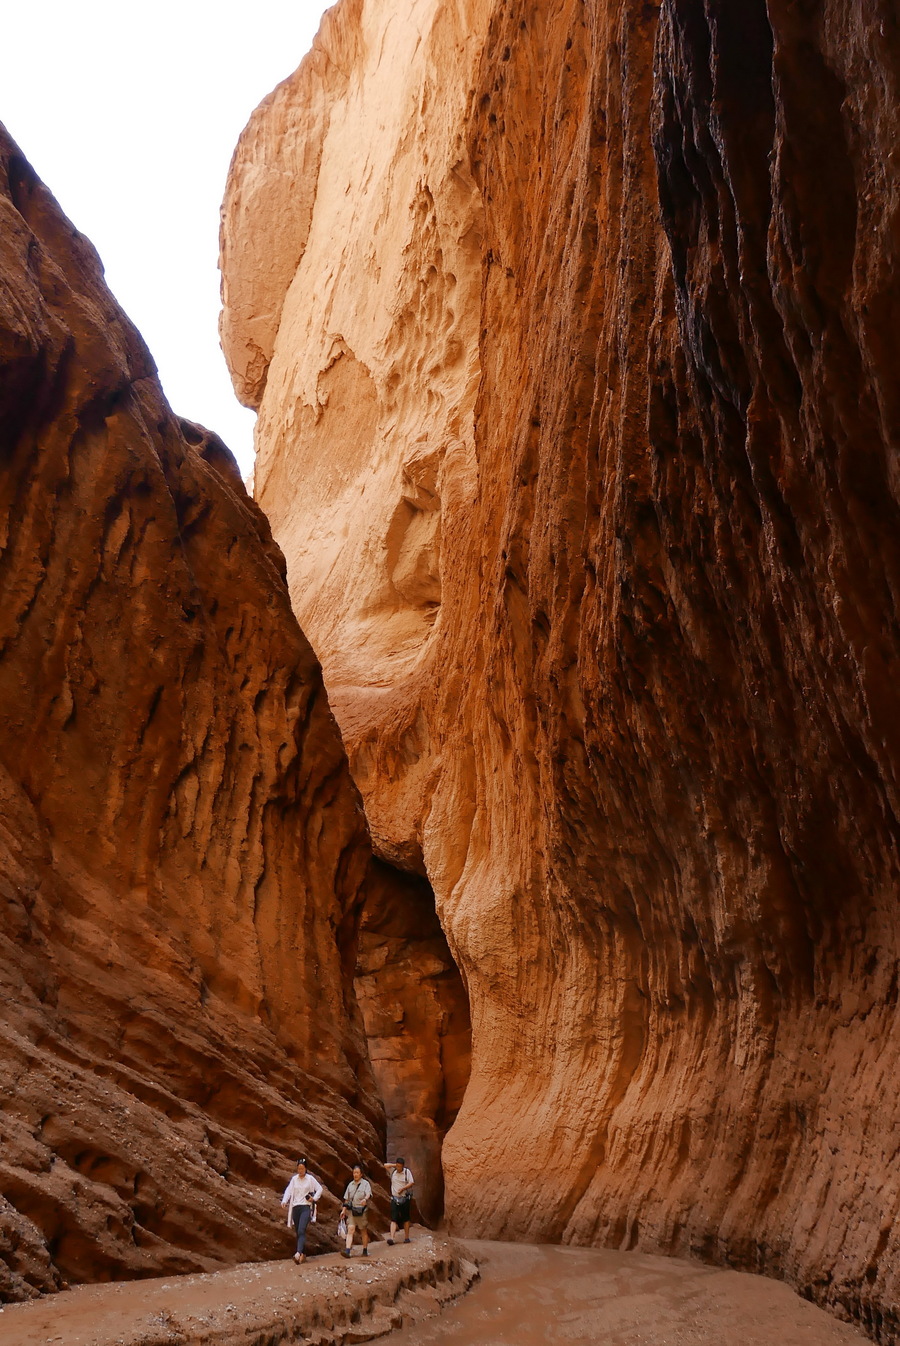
(400, 1209)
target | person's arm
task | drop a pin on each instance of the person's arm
(287, 1193)
(317, 1190)
(407, 1185)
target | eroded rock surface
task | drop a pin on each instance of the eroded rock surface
(181, 846)
(573, 329)
(341, 190)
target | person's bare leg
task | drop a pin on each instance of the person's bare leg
(365, 1238)
(393, 1231)
(406, 1230)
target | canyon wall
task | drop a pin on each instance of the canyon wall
(573, 328)
(182, 851)
(382, 460)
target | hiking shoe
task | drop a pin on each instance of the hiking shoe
(389, 1242)
(345, 1252)
(365, 1252)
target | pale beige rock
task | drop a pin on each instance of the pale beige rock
(351, 254)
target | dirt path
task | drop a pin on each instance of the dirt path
(544, 1296)
(328, 1300)
(527, 1296)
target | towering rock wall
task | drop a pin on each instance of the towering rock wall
(181, 847)
(340, 168)
(638, 721)
(351, 259)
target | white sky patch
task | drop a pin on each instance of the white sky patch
(130, 113)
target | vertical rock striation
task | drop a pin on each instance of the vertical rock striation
(181, 846)
(626, 686)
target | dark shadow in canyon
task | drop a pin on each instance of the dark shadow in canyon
(416, 1013)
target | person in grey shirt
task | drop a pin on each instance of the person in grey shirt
(356, 1209)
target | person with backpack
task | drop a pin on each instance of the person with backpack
(401, 1197)
(300, 1197)
(356, 1210)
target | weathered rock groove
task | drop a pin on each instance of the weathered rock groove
(573, 328)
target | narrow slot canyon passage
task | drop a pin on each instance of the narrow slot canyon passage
(416, 1014)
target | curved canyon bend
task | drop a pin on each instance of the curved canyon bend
(511, 776)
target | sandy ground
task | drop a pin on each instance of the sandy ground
(327, 1300)
(540, 1296)
(527, 1296)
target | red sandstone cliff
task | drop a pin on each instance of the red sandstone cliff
(181, 847)
(574, 332)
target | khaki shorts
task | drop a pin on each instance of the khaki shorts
(358, 1221)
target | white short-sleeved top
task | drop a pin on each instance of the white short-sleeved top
(399, 1180)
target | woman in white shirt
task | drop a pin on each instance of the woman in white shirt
(356, 1210)
(300, 1196)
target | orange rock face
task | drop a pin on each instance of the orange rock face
(181, 847)
(579, 423)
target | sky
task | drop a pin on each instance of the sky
(130, 113)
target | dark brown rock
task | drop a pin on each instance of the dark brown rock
(181, 847)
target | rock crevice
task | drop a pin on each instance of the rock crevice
(416, 1015)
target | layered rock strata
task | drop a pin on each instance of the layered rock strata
(573, 330)
(182, 851)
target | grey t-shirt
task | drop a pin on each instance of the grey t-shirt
(358, 1193)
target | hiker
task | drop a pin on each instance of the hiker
(300, 1196)
(356, 1209)
(401, 1197)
